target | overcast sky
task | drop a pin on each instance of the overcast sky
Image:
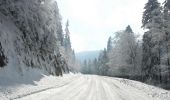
(93, 21)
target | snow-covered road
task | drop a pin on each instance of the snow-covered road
(92, 87)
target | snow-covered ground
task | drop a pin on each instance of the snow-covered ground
(79, 87)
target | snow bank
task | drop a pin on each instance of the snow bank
(34, 80)
(149, 89)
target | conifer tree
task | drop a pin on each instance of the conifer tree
(67, 42)
(152, 20)
(150, 6)
(166, 44)
(109, 44)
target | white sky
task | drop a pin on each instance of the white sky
(93, 21)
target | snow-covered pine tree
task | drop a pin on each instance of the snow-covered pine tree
(70, 55)
(84, 67)
(103, 66)
(123, 57)
(95, 66)
(152, 39)
(166, 21)
(89, 66)
(150, 6)
(67, 42)
(132, 48)
(146, 60)
(165, 60)
(109, 44)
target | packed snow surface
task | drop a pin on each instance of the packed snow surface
(81, 87)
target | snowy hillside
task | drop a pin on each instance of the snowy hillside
(10, 44)
(82, 87)
(31, 35)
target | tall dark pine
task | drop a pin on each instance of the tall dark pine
(132, 46)
(147, 14)
(67, 42)
(59, 24)
(166, 28)
(146, 60)
(128, 29)
(102, 62)
(167, 40)
(70, 55)
(109, 44)
(151, 40)
(85, 68)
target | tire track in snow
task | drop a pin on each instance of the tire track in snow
(95, 90)
(81, 94)
(88, 90)
(70, 91)
(102, 91)
(115, 91)
(110, 95)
